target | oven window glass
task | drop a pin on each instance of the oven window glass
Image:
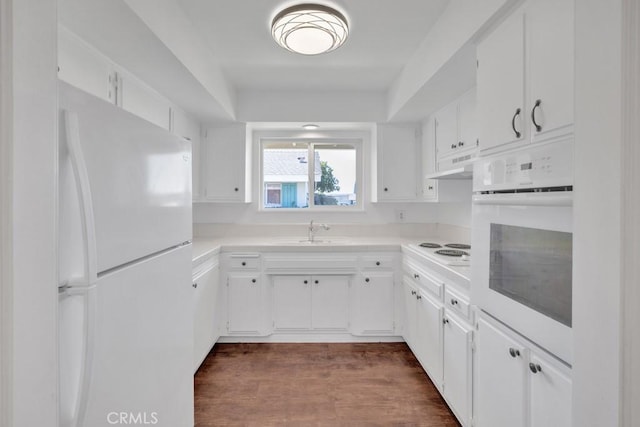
(533, 267)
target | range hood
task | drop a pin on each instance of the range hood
(463, 172)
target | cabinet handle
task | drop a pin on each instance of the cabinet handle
(236, 189)
(533, 115)
(386, 189)
(377, 262)
(413, 292)
(418, 296)
(244, 263)
(306, 281)
(445, 321)
(195, 285)
(416, 276)
(454, 301)
(513, 352)
(366, 280)
(316, 282)
(431, 187)
(535, 368)
(253, 280)
(513, 123)
(460, 143)
(454, 146)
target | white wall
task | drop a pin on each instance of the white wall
(597, 211)
(32, 250)
(458, 214)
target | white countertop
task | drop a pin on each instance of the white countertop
(202, 247)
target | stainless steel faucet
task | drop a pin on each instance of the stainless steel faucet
(314, 228)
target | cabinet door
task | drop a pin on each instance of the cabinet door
(83, 67)
(467, 123)
(447, 130)
(500, 378)
(373, 312)
(550, 391)
(397, 162)
(330, 303)
(225, 164)
(292, 302)
(500, 87)
(244, 305)
(188, 128)
(457, 366)
(205, 334)
(141, 100)
(409, 331)
(429, 339)
(551, 51)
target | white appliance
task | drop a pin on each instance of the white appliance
(522, 240)
(447, 253)
(125, 316)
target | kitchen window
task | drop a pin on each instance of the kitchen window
(318, 175)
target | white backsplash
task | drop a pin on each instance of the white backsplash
(418, 231)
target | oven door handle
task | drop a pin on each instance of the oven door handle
(560, 198)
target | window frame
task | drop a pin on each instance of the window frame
(310, 144)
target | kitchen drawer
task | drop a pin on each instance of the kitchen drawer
(384, 262)
(244, 261)
(424, 279)
(457, 303)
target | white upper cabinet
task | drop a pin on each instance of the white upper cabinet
(525, 76)
(83, 67)
(226, 165)
(501, 84)
(397, 163)
(141, 100)
(551, 51)
(456, 132)
(188, 128)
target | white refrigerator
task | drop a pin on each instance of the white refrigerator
(125, 304)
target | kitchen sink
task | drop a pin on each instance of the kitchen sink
(307, 242)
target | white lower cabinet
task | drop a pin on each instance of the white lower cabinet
(516, 383)
(440, 335)
(456, 377)
(206, 321)
(373, 309)
(245, 314)
(304, 303)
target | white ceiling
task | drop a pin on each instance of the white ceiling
(383, 36)
(216, 58)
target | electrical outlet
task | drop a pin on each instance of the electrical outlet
(401, 215)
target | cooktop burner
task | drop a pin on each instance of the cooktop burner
(451, 252)
(430, 245)
(458, 246)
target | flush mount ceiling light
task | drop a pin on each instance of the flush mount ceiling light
(310, 126)
(310, 29)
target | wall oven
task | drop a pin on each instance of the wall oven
(522, 240)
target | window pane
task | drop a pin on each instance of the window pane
(285, 175)
(335, 175)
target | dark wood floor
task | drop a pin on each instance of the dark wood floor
(316, 385)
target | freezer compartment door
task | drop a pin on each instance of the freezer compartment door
(143, 344)
(138, 190)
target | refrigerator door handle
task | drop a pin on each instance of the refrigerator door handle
(76, 403)
(72, 133)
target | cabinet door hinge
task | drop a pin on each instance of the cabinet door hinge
(473, 346)
(227, 326)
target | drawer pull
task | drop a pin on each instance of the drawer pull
(306, 281)
(413, 292)
(195, 285)
(418, 297)
(416, 276)
(513, 352)
(253, 280)
(377, 262)
(445, 321)
(366, 280)
(454, 301)
(244, 263)
(535, 368)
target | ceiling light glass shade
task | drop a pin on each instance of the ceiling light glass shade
(310, 29)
